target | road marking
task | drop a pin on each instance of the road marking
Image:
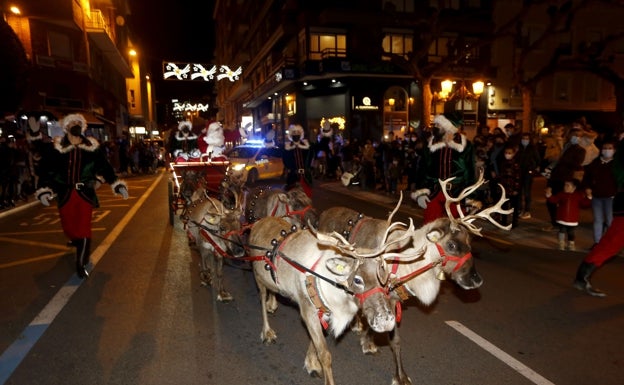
(15, 354)
(516, 365)
(31, 260)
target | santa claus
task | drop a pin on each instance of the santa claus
(212, 143)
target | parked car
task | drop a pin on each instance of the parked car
(259, 162)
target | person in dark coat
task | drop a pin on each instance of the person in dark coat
(71, 169)
(529, 159)
(567, 168)
(612, 241)
(297, 159)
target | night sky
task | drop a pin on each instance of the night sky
(181, 30)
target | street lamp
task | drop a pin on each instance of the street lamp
(463, 93)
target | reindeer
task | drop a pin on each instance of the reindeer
(293, 205)
(446, 250)
(216, 232)
(326, 277)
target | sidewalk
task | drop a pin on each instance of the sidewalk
(528, 233)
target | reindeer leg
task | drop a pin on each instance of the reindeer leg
(268, 335)
(357, 326)
(317, 350)
(400, 377)
(205, 273)
(222, 294)
(367, 340)
(271, 303)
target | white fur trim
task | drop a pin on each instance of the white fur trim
(43, 190)
(459, 147)
(73, 119)
(418, 193)
(58, 145)
(442, 122)
(303, 144)
(185, 123)
(180, 136)
(118, 182)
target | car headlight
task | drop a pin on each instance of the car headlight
(238, 167)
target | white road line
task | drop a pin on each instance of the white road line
(498, 353)
(15, 354)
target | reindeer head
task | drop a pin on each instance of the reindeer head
(451, 243)
(366, 274)
(226, 223)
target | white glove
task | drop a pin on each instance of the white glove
(422, 201)
(45, 196)
(123, 191)
(421, 197)
(120, 188)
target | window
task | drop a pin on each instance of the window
(438, 49)
(562, 88)
(592, 87)
(59, 45)
(398, 5)
(398, 44)
(323, 45)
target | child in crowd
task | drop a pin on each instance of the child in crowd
(568, 202)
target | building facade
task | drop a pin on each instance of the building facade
(78, 51)
(379, 67)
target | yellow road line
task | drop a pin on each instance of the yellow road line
(34, 243)
(46, 231)
(30, 260)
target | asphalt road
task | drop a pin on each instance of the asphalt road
(143, 317)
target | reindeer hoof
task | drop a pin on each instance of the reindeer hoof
(269, 337)
(398, 381)
(369, 347)
(224, 296)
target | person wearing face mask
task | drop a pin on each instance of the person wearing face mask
(297, 159)
(568, 167)
(599, 181)
(184, 144)
(448, 154)
(529, 160)
(72, 167)
(612, 241)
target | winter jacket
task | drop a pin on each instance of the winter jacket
(599, 177)
(569, 206)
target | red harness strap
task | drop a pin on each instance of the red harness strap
(460, 260)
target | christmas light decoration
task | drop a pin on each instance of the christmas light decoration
(199, 72)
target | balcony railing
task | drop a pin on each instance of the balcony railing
(96, 21)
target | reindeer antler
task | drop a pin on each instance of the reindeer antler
(487, 214)
(396, 208)
(464, 193)
(467, 220)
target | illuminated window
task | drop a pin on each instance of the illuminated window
(398, 44)
(323, 45)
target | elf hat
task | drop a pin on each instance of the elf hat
(450, 124)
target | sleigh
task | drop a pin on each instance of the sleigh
(204, 174)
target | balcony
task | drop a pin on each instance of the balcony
(100, 32)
